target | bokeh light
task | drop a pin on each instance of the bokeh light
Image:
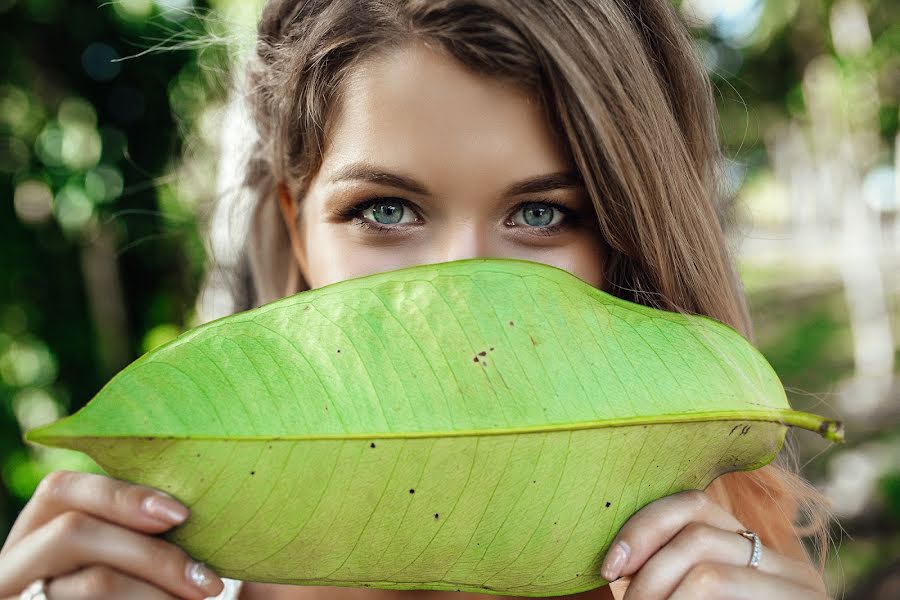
(33, 201)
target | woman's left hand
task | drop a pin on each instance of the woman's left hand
(687, 547)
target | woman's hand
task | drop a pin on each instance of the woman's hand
(92, 536)
(686, 547)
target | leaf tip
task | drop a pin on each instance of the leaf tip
(34, 436)
(45, 435)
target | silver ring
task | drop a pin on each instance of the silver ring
(757, 548)
(37, 590)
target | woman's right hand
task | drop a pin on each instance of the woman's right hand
(92, 536)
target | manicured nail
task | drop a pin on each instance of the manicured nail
(202, 576)
(615, 561)
(165, 508)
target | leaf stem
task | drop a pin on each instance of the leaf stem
(829, 429)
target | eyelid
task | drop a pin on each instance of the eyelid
(355, 209)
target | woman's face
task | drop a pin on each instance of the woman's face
(428, 162)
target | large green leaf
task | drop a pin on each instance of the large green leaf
(482, 425)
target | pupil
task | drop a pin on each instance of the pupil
(388, 214)
(538, 215)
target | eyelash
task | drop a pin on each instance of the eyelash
(354, 211)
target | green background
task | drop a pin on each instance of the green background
(107, 168)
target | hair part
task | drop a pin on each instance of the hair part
(623, 87)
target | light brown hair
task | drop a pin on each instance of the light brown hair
(621, 83)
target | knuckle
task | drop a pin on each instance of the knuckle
(694, 534)
(99, 580)
(697, 499)
(70, 524)
(709, 578)
(53, 484)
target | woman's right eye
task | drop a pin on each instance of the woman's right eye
(388, 211)
(382, 215)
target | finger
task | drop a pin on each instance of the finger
(74, 540)
(706, 581)
(650, 528)
(698, 543)
(101, 581)
(137, 507)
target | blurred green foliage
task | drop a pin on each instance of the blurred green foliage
(87, 142)
(107, 164)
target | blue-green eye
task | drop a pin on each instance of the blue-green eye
(387, 212)
(390, 215)
(540, 214)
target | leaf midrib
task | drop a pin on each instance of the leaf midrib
(812, 422)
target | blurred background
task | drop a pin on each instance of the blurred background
(110, 120)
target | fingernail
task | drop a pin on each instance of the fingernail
(202, 576)
(165, 509)
(615, 561)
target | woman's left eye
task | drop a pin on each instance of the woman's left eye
(540, 215)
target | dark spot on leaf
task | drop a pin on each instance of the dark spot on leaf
(577, 574)
(197, 455)
(554, 522)
(534, 481)
(732, 429)
(475, 359)
(511, 323)
(150, 439)
(533, 343)
(435, 515)
(253, 472)
(372, 445)
(339, 350)
(412, 491)
(492, 348)
(482, 353)
(608, 504)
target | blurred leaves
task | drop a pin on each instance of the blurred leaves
(95, 270)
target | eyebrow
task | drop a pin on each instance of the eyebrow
(533, 185)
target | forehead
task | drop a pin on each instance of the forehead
(416, 108)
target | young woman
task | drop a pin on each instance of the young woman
(398, 132)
